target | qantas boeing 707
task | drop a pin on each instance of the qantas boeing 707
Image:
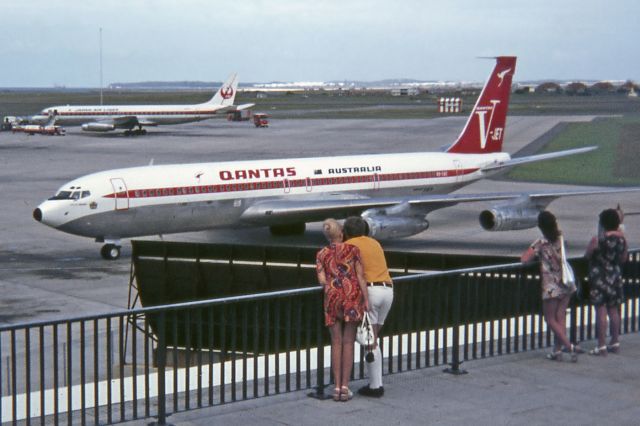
(392, 192)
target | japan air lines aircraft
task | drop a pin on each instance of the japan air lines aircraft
(392, 192)
(104, 118)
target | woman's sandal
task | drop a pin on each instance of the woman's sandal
(573, 351)
(345, 394)
(554, 356)
(336, 394)
(599, 351)
(614, 348)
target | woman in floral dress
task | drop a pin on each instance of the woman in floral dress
(555, 295)
(606, 253)
(340, 273)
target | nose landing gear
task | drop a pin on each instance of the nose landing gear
(110, 251)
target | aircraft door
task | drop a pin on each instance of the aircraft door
(457, 165)
(121, 194)
(376, 181)
(309, 184)
(286, 184)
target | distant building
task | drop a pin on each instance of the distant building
(405, 91)
(549, 87)
(576, 88)
(603, 87)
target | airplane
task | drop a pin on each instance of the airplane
(49, 128)
(105, 118)
(392, 192)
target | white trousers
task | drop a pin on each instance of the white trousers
(380, 300)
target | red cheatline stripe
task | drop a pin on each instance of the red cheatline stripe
(284, 183)
(126, 113)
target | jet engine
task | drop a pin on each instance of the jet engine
(509, 218)
(98, 127)
(394, 222)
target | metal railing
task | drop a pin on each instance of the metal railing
(178, 357)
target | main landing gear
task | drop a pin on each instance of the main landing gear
(137, 132)
(110, 251)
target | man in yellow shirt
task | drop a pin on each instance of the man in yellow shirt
(380, 290)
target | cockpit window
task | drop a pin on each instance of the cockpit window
(71, 195)
(62, 195)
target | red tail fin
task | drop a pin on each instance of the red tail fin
(484, 130)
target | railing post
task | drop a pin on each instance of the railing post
(320, 385)
(455, 320)
(161, 360)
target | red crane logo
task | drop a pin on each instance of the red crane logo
(226, 92)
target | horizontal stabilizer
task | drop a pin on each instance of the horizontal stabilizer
(539, 157)
(244, 106)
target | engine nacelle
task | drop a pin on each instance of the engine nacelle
(509, 218)
(98, 127)
(388, 227)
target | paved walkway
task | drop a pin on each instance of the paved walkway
(519, 389)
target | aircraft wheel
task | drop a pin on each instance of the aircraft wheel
(127, 132)
(291, 229)
(110, 252)
(143, 132)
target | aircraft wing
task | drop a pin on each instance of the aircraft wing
(232, 108)
(125, 121)
(538, 157)
(286, 211)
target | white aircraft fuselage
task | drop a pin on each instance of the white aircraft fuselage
(165, 199)
(158, 114)
(105, 118)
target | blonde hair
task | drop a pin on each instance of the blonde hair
(332, 229)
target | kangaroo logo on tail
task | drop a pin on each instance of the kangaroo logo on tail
(484, 130)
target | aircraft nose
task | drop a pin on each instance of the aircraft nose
(37, 215)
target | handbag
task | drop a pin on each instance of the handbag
(568, 277)
(364, 333)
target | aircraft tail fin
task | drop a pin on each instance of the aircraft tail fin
(484, 131)
(51, 121)
(226, 94)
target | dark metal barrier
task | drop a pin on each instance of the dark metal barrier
(77, 370)
(170, 272)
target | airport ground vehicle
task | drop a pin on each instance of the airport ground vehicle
(261, 120)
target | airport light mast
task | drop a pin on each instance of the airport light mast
(101, 100)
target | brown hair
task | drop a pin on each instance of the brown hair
(548, 224)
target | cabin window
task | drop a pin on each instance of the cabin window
(85, 194)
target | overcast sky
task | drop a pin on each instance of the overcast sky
(45, 42)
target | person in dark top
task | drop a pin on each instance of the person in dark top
(606, 253)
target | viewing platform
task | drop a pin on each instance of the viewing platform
(518, 389)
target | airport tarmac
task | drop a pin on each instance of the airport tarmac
(46, 274)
